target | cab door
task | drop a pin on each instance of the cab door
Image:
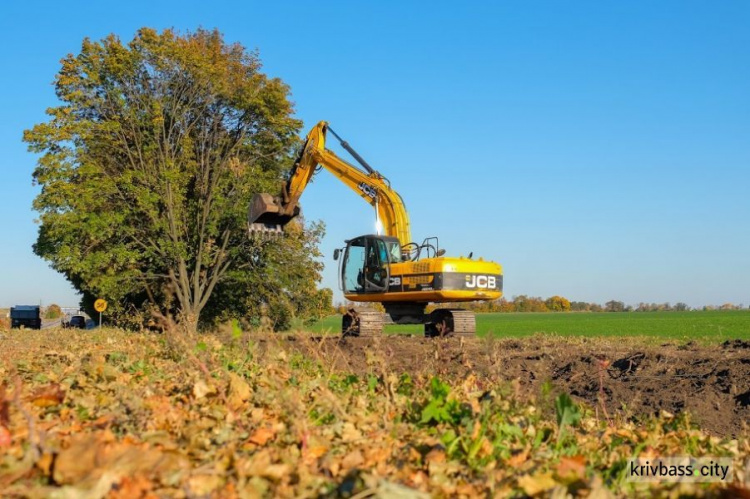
(377, 269)
(365, 267)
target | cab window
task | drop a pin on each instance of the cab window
(353, 266)
(394, 252)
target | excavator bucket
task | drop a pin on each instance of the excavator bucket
(265, 218)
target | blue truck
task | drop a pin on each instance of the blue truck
(26, 316)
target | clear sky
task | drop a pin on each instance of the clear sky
(598, 150)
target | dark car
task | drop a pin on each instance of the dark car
(78, 321)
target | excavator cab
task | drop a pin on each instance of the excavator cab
(365, 267)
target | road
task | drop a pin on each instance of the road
(48, 324)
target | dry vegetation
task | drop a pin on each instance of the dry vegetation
(4, 321)
(110, 413)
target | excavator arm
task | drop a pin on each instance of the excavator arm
(269, 214)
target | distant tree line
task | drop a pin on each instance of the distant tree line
(524, 303)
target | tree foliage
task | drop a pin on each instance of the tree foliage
(615, 306)
(557, 304)
(53, 312)
(292, 293)
(147, 167)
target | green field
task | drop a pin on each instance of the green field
(712, 326)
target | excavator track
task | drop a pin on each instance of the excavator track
(464, 323)
(450, 322)
(362, 323)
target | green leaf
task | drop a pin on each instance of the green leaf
(236, 330)
(568, 413)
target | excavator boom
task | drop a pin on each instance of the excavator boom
(269, 214)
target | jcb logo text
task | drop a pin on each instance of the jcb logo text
(368, 189)
(481, 281)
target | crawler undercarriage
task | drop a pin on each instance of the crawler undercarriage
(439, 322)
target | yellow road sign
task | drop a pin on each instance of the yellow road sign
(100, 305)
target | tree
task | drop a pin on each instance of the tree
(614, 306)
(525, 303)
(580, 306)
(53, 312)
(504, 305)
(147, 167)
(558, 304)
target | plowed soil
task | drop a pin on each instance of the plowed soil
(617, 378)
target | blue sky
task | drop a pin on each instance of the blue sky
(598, 150)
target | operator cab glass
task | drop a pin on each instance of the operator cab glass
(394, 251)
(365, 268)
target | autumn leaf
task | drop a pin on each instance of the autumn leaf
(261, 436)
(435, 455)
(239, 392)
(5, 438)
(4, 406)
(536, 484)
(44, 463)
(518, 458)
(47, 396)
(315, 452)
(204, 485)
(91, 456)
(572, 467)
(132, 486)
(353, 459)
(201, 389)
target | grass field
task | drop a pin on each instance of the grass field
(711, 326)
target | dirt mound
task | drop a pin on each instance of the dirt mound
(618, 377)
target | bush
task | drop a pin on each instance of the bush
(53, 312)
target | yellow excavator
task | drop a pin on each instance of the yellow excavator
(390, 269)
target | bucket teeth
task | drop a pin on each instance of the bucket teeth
(264, 231)
(266, 217)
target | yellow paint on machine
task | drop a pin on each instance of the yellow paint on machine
(417, 272)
